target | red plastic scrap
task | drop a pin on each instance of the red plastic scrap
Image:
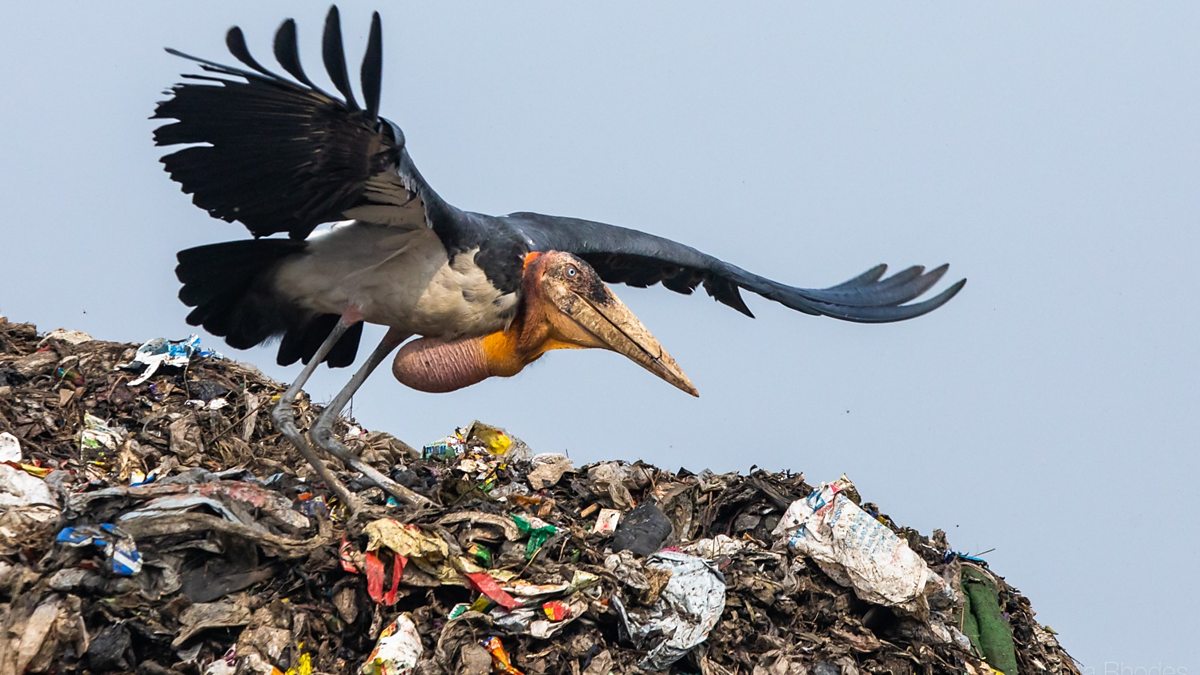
(375, 573)
(555, 610)
(374, 570)
(484, 583)
(372, 565)
(501, 663)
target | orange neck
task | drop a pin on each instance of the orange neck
(502, 354)
(525, 340)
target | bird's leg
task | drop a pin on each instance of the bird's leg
(322, 429)
(284, 415)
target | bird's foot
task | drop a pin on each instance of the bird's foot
(284, 417)
(322, 435)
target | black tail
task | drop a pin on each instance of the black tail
(229, 286)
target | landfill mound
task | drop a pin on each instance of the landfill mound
(153, 521)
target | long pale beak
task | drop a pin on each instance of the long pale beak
(616, 328)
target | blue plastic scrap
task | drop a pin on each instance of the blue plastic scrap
(120, 549)
(952, 554)
(163, 352)
(444, 449)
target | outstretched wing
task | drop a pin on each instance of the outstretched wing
(621, 255)
(283, 155)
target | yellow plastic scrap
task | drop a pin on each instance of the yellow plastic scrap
(581, 580)
(303, 664)
(31, 469)
(426, 551)
(481, 604)
(501, 663)
(503, 576)
(408, 541)
(494, 439)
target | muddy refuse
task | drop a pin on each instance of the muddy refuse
(153, 521)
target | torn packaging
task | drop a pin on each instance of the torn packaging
(398, 651)
(28, 509)
(118, 547)
(856, 549)
(688, 608)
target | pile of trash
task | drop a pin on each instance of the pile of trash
(153, 521)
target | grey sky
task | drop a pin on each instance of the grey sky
(1049, 151)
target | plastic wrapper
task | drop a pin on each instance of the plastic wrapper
(376, 571)
(485, 584)
(444, 449)
(481, 553)
(97, 434)
(548, 469)
(493, 439)
(27, 507)
(538, 530)
(609, 479)
(501, 662)
(688, 608)
(119, 548)
(721, 545)
(556, 610)
(398, 650)
(158, 352)
(855, 548)
(606, 521)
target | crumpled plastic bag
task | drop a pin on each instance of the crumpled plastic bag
(398, 650)
(98, 434)
(610, 477)
(855, 549)
(28, 509)
(548, 469)
(34, 632)
(688, 608)
(158, 352)
(643, 530)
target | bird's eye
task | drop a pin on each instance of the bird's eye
(571, 271)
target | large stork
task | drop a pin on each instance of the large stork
(486, 294)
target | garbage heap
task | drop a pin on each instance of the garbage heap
(153, 521)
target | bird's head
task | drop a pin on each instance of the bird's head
(564, 305)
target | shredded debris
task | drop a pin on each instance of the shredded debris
(153, 521)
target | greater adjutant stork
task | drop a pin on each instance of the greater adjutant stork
(486, 294)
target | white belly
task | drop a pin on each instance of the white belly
(398, 278)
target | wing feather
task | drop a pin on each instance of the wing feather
(235, 41)
(372, 67)
(334, 55)
(622, 255)
(281, 154)
(287, 53)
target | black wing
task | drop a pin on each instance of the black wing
(286, 156)
(621, 255)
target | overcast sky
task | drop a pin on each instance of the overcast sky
(1049, 151)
